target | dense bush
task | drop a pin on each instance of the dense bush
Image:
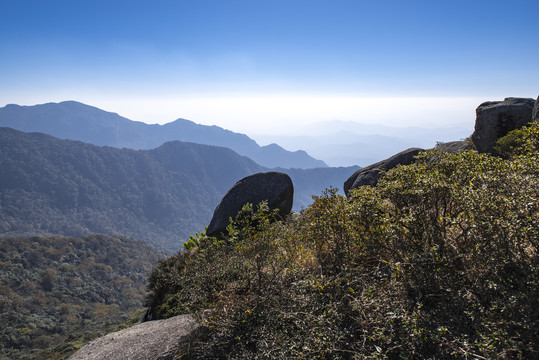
(438, 261)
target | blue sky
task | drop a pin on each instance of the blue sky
(262, 65)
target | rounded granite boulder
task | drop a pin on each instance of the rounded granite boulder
(274, 187)
(369, 174)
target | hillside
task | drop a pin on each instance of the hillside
(53, 186)
(76, 121)
(438, 261)
(160, 196)
(58, 293)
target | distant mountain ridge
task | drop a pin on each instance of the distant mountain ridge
(76, 121)
(344, 143)
(160, 196)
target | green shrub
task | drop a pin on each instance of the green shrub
(438, 261)
(519, 141)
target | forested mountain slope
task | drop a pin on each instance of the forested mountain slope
(160, 196)
(58, 293)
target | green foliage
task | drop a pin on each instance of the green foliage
(519, 141)
(58, 293)
(194, 280)
(195, 240)
(439, 261)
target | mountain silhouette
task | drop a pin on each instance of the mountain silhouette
(76, 121)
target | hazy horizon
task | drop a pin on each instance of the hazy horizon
(271, 67)
(337, 143)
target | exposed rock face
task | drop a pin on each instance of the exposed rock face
(369, 174)
(160, 339)
(535, 113)
(453, 147)
(496, 118)
(274, 187)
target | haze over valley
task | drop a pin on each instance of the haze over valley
(346, 143)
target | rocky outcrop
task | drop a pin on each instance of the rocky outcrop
(159, 340)
(454, 147)
(274, 187)
(496, 118)
(535, 112)
(369, 174)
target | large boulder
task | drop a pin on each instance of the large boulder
(369, 174)
(159, 340)
(496, 118)
(274, 187)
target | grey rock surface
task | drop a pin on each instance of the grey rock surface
(369, 174)
(496, 118)
(453, 147)
(535, 112)
(274, 187)
(159, 340)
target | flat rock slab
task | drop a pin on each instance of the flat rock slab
(159, 339)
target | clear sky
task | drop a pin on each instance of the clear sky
(267, 65)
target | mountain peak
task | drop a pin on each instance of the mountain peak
(78, 121)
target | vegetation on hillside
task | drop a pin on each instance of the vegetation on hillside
(58, 293)
(60, 187)
(439, 261)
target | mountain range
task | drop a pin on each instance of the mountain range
(76, 121)
(337, 143)
(51, 186)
